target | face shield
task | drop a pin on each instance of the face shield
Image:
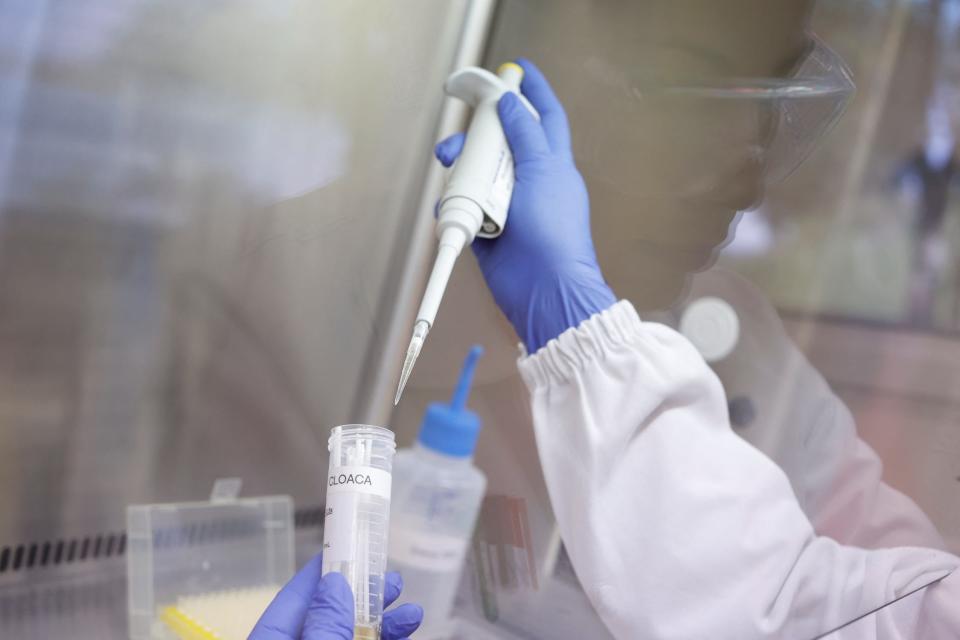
(792, 113)
(695, 135)
(670, 161)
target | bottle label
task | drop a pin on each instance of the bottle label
(346, 488)
(426, 551)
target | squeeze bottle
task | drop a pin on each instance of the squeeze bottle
(437, 492)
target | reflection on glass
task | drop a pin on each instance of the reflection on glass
(824, 378)
(184, 188)
(184, 191)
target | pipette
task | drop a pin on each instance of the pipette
(477, 194)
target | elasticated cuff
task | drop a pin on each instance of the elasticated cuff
(613, 328)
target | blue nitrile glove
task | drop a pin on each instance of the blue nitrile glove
(313, 608)
(543, 269)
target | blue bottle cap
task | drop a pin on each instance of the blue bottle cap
(453, 429)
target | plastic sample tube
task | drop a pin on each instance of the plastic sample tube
(358, 517)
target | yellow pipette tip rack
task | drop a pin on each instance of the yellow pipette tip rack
(206, 570)
(185, 627)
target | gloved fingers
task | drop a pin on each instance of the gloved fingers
(552, 116)
(401, 622)
(525, 136)
(330, 613)
(392, 588)
(284, 617)
(448, 149)
(482, 247)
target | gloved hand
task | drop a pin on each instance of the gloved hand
(313, 608)
(543, 269)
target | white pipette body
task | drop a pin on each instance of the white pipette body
(476, 198)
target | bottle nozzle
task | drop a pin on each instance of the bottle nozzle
(453, 429)
(459, 400)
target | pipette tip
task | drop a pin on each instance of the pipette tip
(413, 352)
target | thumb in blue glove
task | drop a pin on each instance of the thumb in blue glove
(543, 269)
(313, 608)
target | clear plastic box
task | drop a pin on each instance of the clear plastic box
(203, 570)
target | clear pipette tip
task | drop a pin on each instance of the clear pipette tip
(420, 330)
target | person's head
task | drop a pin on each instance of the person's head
(667, 170)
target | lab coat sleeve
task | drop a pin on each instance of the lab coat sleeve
(677, 527)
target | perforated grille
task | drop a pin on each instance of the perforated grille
(33, 555)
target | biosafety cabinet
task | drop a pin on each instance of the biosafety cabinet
(216, 223)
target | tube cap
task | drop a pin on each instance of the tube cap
(453, 429)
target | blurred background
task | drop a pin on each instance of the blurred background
(215, 220)
(858, 250)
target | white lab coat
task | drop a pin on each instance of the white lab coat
(679, 528)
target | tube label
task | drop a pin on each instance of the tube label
(359, 479)
(347, 490)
